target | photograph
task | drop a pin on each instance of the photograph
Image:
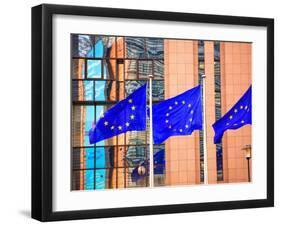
(149, 112)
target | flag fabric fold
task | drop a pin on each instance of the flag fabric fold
(239, 115)
(127, 115)
(180, 115)
(159, 166)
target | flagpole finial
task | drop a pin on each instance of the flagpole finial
(203, 76)
(150, 76)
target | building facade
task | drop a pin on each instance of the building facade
(106, 69)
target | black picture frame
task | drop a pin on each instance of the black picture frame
(42, 111)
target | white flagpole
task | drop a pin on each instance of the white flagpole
(151, 160)
(205, 131)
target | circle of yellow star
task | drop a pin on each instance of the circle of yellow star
(119, 127)
(133, 108)
(130, 101)
(132, 116)
(127, 124)
(105, 123)
(230, 117)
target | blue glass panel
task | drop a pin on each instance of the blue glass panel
(94, 68)
(89, 180)
(100, 157)
(135, 47)
(89, 119)
(158, 69)
(101, 179)
(155, 47)
(82, 90)
(104, 47)
(85, 46)
(157, 90)
(100, 94)
(145, 68)
(109, 69)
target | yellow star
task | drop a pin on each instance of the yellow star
(170, 127)
(186, 126)
(170, 107)
(176, 103)
(227, 124)
(241, 107)
(190, 119)
(119, 127)
(180, 130)
(167, 114)
(127, 124)
(242, 121)
(183, 102)
(167, 121)
(130, 101)
(112, 127)
(133, 108)
(191, 112)
(189, 105)
(132, 116)
(230, 117)
(235, 110)
(105, 123)
(246, 107)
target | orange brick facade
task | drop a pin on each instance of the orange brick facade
(181, 73)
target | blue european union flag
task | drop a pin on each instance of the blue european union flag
(159, 166)
(180, 115)
(239, 115)
(127, 115)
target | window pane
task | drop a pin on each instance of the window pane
(130, 69)
(159, 69)
(78, 68)
(145, 69)
(155, 47)
(77, 179)
(142, 182)
(135, 155)
(135, 47)
(120, 47)
(82, 90)
(131, 86)
(105, 46)
(82, 120)
(82, 46)
(94, 69)
(109, 69)
(105, 90)
(89, 180)
(101, 178)
(157, 90)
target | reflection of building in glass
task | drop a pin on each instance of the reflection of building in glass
(105, 69)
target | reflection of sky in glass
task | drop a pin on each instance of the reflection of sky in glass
(89, 90)
(100, 90)
(99, 48)
(100, 152)
(94, 68)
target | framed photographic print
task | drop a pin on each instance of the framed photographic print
(147, 112)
